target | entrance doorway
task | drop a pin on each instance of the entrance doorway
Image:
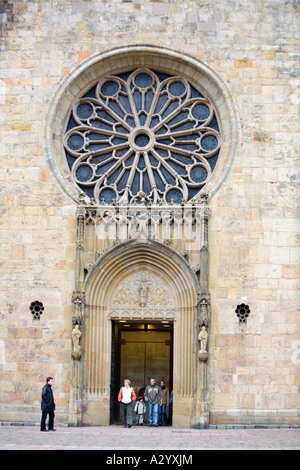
(140, 351)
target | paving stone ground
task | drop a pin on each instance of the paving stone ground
(116, 437)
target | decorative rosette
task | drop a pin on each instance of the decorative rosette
(142, 135)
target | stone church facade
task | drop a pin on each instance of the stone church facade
(150, 208)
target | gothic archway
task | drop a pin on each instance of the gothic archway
(155, 261)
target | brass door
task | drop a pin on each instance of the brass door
(145, 355)
(142, 352)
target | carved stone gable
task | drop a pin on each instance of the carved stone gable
(142, 295)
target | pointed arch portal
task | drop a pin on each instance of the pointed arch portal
(150, 261)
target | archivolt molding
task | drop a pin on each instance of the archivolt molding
(134, 256)
(121, 59)
(157, 264)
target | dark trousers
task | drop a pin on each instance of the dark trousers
(51, 420)
(126, 410)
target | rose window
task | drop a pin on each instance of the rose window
(142, 135)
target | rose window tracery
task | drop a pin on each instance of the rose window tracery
(142, 135)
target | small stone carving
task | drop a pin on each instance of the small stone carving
(202, 337)
(204, 308)
(142, 289)
(78, 301)
(143, 293)
(76, 335)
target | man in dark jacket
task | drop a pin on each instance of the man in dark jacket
(47, 405)
(153, 398)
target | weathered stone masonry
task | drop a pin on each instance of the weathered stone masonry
(248, 55)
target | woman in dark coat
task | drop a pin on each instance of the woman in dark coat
(47, 405)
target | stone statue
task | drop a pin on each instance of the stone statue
(143, 293)
(202, 337)
(76, 335)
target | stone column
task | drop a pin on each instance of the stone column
(78, 306)
(203, 320)
(79, 271)
(183, 369)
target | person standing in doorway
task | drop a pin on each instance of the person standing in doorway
(47, 405)
(164, 391)
(153, 398)
(125, 398)
(140, 410)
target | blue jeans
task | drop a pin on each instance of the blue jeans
(162, 415)
(153, 413)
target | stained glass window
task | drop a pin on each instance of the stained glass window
(142, 135)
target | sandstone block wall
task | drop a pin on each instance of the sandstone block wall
(254, 226)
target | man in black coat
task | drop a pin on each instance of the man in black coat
(47, 405)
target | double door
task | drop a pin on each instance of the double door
(142, 352)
